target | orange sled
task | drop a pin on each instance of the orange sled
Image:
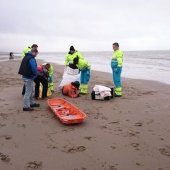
(66, 112)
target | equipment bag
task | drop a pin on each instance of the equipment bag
(102, 93)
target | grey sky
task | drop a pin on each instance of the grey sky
(87, 24)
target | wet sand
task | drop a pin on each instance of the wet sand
(127, 133)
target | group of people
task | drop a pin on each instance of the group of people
(43, 74)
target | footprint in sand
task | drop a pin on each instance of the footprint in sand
(103, 127)
(138, 124)
(113, 147)
(34, 165)
(109, 167)
(7, 137)
(21, 125)
(135, 145)
(165, 151)
(2, 125)
(4, 158)
(73, 149)
(90, 138)
(4, 116)
(132, 133)
(115, 122)
(138, 164)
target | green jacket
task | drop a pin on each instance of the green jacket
(118, 55)
(70, 57)
(25, 51)
(83, 64)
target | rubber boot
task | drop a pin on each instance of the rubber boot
(118, 91)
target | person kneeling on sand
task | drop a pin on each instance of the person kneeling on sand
(71, 89)
(28, 70)
(42, 78)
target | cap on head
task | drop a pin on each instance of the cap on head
(34, 45)
(76, 84)
(72, 48)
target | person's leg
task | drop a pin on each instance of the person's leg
(118, 84)
(114, 67)
(44, 83)
(51, 83)
(28, 92)
(82, 80)
(37, 87)
(23, 90)
(86, 80)
(32, 100)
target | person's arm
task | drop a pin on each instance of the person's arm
(119, 58)
(33, 66)
(66, 60)
(79, 55)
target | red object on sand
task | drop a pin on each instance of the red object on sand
(65, 111)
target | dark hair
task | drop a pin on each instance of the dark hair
(116, 44)
(34, 45)
(76, 84)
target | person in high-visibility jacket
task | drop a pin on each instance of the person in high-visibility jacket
(116, 65)
(51, 76)
(84, 68)
(71, 55)
(75, 60)
(28, 49)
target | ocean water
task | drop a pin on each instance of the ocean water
(147, 65)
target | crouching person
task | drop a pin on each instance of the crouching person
(71, 89)
(28, 70)
(42, 78)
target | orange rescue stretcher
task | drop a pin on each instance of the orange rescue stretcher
(65, 111)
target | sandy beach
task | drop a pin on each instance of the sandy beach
(127, 133)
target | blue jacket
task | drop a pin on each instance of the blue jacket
(29, 65)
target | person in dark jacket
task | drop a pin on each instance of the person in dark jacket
(42, 77)
(24, 53)
(28, 70)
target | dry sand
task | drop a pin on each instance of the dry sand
(127, 133)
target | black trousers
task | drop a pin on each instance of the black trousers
(44, 83)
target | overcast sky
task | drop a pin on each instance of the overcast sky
(89, 25)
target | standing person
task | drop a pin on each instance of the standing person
(42, 77)
(116, 65)
(24, 52)
(11, 55)
(84, 68)
(28, 49)
(28, 70)
(71, 55)
(74, 59)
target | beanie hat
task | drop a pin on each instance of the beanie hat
(72, 48)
